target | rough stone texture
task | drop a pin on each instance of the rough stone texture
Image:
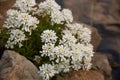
(16, 67)
(95, 37)
(101, 63)
(82, 75)
(99, 11)
(104, 15)
(4, 6)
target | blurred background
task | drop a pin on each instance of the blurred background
(103, 17)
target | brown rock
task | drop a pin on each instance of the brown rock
(96, 38)
(100, 11)
(16, 67)
(82, 75)
(4, 6)
(105, 16)
(79, 8)
(101, 63)
(112, 28)
(2, 0)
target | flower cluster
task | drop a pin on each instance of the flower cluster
(69, 54)
(51, 8)
(49, 36)
(25, 5)
(21, 22)
(16, 37)
(47, 32)
(83, 33)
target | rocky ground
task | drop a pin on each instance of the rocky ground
(104, 17)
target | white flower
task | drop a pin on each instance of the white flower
(12, 21)
(51, 8)
(62, 53)
(47, 50)
(28, 22)
(47, 7)
(89, 49)
(77, 53)
(23, 21)
(49, 36)
(13, 13)
(47, 71)
(87, 63)
(25, 5)
(68, 38)
(9, 44)
(70, 53)
(56, 17)
(37, 58)
(83, 33)
(16, 37)
(67, 15)
(73, 28)
(77, 65)
(64, 66)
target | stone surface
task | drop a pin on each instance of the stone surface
(99, 11)
(104, 15)
(101, 63)
(4, 6)
(82, 75)
(95, 37)
(16, 67)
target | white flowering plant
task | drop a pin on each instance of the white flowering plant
(45, 34)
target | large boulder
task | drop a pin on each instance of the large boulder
(16, 67)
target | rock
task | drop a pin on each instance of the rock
(96, 11)
(96, 38)
(105, 16)
(101, 63)
(1, 17)
(16, 67)
(2, 0)
(80, 8)
(110, 45)
(4, 6)
(82, 75)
